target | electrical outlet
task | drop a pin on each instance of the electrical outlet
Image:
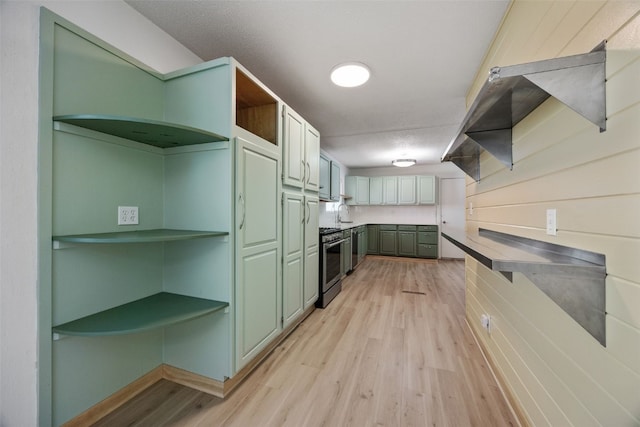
(470, 208)
(552, 225)
(485, 320)
(127, 215)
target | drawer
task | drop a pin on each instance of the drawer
(428, 237)
(407, 228)
(387, 227)
(428, 228)
(427, 251)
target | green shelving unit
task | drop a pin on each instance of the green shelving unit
(150, 132)
(139, 236)
(156, 311)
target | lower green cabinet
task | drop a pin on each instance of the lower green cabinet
(407, 240)
(427, 250)
(372, 239)
(388, 242)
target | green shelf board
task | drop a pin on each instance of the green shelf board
(156, 311)
(150, 132)
(139, 236)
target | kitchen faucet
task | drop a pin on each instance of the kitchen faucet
(338, 219)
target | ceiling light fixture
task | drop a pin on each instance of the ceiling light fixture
(350, 74)
(403, 163)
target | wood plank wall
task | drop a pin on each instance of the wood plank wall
(556, 371)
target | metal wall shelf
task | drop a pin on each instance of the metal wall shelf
(150, 132)
(511, 93)
(573, 278)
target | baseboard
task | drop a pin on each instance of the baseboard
(195, 381)
(514, 404)
(111, 403)
(180, 376)
(232, 383)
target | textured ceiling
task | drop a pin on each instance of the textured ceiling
(423, 57)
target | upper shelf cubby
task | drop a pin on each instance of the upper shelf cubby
(150, 132)
(512, 92)
(256, 109)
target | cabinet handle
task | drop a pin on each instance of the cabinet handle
(302, 209)
(304, 171)
(308, 213)
(308, 172)
(241, 200)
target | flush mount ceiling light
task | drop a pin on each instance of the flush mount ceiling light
(403, 163)
(350, 74)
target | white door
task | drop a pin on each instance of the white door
(452, 214)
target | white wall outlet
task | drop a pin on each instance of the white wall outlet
(552, 226)
(127, 215)
(485, 320)
(470, 208)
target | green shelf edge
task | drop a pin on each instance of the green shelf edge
(156, 311)
(150, 132)
(139, 236)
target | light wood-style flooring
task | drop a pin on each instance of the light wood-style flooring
(393, 349)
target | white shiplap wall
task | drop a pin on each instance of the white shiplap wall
(556, 372)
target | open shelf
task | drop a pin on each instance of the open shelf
(139, 236)
(150, 132)
(512, 93)
(256, 109)
(573, 278)
(156, 311)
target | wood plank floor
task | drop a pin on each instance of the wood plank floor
(393, 349)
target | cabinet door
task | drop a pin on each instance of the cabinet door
(312, 158)
(362, 243)
(257, 225)
(407, 243)
(390, 190)
(324, 189)
(427, 250)
(388, 244)
(362, 183)
(311, 251)
(427, 191)
(294, 166)
(335, 182)
(375, 190)
(372, 239)
(407, 190)
(293, 220)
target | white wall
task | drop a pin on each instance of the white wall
(557, 373)
(118, 24)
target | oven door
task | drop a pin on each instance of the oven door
(332, 263)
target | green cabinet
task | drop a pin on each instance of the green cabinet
(293, 221)
(357, 188)
(407, 240)
(427, 241)
(301, 147)
(427, 190)
(373, 232)
(388, 243)
(324, 188)
(390, 190)
(362, 242)
(375, 190)
(335, 182)
(407, 190)
(311, 251)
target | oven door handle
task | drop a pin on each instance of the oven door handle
(334, 243)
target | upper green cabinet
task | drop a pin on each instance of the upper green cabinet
(324, 188)
(407, 190)
(334, 192)
(392, 190)
(427, 190)
(357, 187)
(301, 152)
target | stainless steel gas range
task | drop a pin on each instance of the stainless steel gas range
(331, 264)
